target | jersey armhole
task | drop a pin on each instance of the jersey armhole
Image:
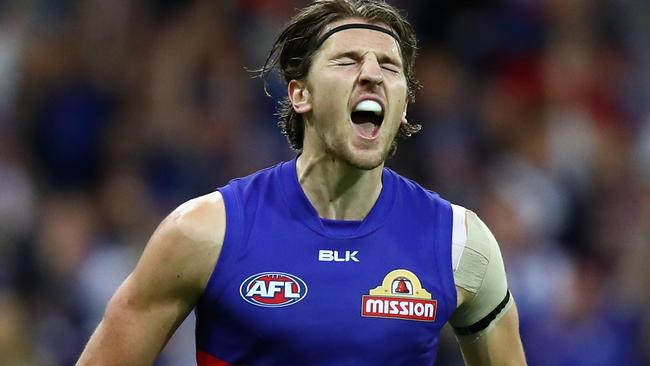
(458, 234)
(232, 236)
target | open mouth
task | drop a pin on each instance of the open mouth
(367, 118)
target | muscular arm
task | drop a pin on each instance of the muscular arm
(163, 288)
(486, 321)
(500, 345)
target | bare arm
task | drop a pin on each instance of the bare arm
(163, 288)
(499, 345)
(485, 321)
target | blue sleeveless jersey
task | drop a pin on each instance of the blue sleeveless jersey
(290, 288)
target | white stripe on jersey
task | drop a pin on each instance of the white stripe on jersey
(458, 234)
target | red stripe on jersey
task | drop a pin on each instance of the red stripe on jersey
(205, 359)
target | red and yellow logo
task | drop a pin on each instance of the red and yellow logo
(400, 296)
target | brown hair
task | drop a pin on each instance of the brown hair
(294, 48)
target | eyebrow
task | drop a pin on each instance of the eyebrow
(356, 55)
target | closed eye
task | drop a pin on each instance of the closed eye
(391, 68)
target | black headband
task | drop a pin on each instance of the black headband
(354, 25)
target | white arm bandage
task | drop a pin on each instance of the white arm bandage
(478, 268)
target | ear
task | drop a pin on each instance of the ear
(299, 96)
(404, 120)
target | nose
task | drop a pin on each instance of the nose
(371, 71)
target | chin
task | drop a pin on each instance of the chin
(365, 165)
(359, 157)
(366, 160)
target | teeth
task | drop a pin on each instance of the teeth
(369, 106)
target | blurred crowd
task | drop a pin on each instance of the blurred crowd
(535, 115)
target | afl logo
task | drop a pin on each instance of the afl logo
(273, 289)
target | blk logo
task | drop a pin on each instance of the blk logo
(273, 289)
(335, 256)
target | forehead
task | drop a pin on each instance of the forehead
(355, 38)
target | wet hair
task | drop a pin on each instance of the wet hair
(294, 49)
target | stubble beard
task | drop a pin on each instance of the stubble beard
(342, 149)
(358, 160)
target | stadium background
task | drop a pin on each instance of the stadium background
(535, 114)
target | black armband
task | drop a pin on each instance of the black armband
(486, 321)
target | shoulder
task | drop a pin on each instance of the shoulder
(259, 177)
(413, 189)
(475, 252)
(471, 236)
(479, 273)
(187, 243)
(199, 220)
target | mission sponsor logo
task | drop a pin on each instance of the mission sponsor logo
(400, 296)
(273, 289)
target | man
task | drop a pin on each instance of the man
(328, 259)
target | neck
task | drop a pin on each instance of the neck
(337, 190)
